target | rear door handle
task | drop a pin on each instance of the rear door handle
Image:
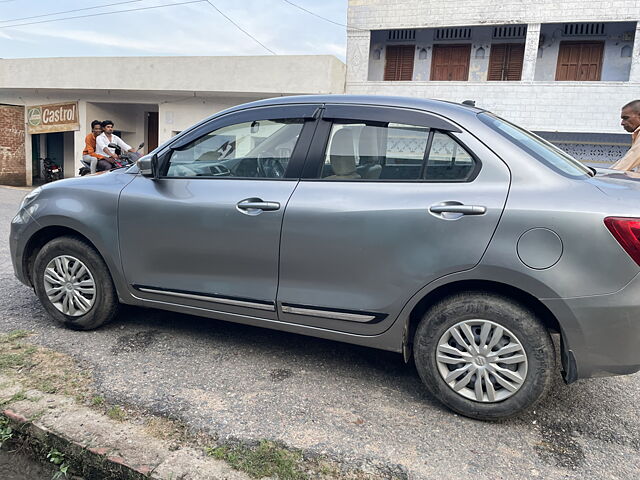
(253, 204)
(463, 209)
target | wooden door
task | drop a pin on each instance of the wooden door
(152, 131)
(399, 62)
(580, 61)
(450, 62)
(505, 62)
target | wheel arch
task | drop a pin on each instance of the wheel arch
(44, 236)
(548, 319)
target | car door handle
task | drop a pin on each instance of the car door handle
(257, 204)
(458, 208)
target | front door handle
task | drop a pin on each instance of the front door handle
(463, 209)
(253, 206)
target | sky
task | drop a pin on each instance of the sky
(189, 29)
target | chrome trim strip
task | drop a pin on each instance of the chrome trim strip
(228, 301)
(350, 317)
(295, 326)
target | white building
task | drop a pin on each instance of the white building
(150, 99)
(561, 68)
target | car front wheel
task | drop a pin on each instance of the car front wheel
(74, 284)
(483, 355)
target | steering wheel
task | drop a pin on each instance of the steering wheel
(271, 168)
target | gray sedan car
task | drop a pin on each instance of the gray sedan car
(431, 229)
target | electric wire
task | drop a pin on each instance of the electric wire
(102, 13)
(323, 18)
(69, 11)
(241, 29)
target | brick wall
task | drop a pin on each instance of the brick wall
(12, 152)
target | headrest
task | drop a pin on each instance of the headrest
(342, 156)
(368, 144)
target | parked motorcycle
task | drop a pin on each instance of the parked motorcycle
(52, 170)
(125, 159)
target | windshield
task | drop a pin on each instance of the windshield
(537, 147)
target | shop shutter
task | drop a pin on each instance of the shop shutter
(580, 61)
(505, 62)
(450, 62)
(399, 62)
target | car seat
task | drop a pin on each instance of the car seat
(343, 156)
(369, 152)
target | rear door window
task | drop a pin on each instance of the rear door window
(394, 152)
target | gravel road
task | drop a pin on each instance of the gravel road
(364, 406)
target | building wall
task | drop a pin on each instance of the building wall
(271, 74)
(383, 14)
(175, 116)
(13, 170)
(565, 106)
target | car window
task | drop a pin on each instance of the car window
(258, 149)
(535, 146)
(373, 151)
(448, 160)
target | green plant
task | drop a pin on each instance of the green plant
(6, 432)
(97, 401)
(57, 458)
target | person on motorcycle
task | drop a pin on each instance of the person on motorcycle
(105, 138)
(89, 155)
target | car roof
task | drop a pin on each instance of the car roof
(448, 109)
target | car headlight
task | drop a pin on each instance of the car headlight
(30, 197)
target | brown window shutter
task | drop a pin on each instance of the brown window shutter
(450, 62)
(505, 62)
(399, 62)
(580, 61)
(513, 72)
(496, 62)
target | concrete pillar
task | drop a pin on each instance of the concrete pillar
(358, 42)
(531, 52)
(634, 76)
(79, 136)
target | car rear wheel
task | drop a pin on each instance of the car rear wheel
(483, 355)
(74, 284)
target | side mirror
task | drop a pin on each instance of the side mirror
(148, 166)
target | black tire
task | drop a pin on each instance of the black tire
(105, 306)
(528, 330)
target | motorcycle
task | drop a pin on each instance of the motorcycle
(52, 170)
(125, 159)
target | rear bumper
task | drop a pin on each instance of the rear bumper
(601, 332)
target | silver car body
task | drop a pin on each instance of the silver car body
(359, 261)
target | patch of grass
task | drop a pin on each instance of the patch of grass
(97, 401)
(116, 413)
(268, 459)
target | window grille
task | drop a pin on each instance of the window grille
(401, 35)
(583, 29)
(510, 31)
(453, 33)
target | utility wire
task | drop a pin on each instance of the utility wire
(241, 29)
(321, 17)
(68, 11)
(102, 13)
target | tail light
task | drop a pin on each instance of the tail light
(627, 232)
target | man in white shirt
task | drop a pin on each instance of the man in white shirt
(631, 123)
(105, 138)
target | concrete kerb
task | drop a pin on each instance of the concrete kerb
(98, 447)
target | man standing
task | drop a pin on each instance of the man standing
(107, 137)
(89, 153)
(631, 123)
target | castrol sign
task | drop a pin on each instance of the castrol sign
(57, 117)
